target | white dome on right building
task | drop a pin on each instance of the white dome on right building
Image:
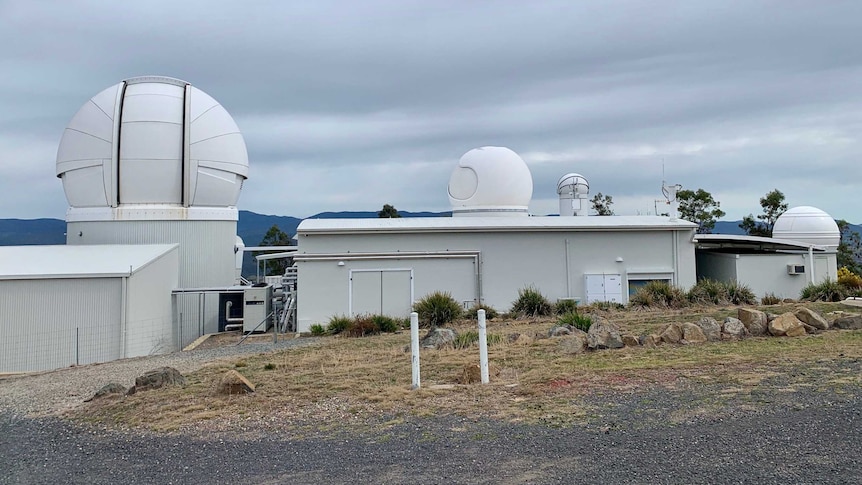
(808, 225)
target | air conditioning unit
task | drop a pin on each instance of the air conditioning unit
(795, 269)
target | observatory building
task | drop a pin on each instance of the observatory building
(152, 169)
(488, 250)
(802, 250)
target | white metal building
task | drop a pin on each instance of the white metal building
(66, 305)
(487, 251)
(803, 250)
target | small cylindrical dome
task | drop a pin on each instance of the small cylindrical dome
(152, 140)
(808, 225)
(573, 184)
(490, 181)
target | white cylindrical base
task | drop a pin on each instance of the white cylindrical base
(483, 347)
(414, 347)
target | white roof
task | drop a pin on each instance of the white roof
(492, 224)
(90, 261)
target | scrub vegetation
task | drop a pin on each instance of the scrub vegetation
(660, 294)
(531, 303)
(437, 309)
(347, 383)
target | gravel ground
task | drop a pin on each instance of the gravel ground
(791, 428)
(54, 391)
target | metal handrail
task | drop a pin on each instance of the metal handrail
(267, 317)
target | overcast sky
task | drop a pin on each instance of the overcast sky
(350, 105)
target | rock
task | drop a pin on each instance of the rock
(692, 334)
(734, 328)
(786, 325)
(472, 373)
(809, 328)
(234, 383)
(631, 341)
(438, 338)
(559, 331)
(108, 390)
(650, 341)
(603, 335)
(672, 334)
(770, 317)
(711, 328)
(575, 343)
(853, 322)
(156, 378)
(812, 318)
(755, 321)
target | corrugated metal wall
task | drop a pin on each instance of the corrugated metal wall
(48, 324)
(206, 247)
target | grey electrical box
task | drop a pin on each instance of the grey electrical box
(257, 309)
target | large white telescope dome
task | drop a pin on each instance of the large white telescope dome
(152, 141)
(808, 225)
(490, 181)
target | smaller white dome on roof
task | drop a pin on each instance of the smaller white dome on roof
(573, 184)
(490, 181)
(808, 225)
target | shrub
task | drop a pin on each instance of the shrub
(437, 309)
(770, 299)
(828, 290)
(740, 294)
(607, 305)
(473, 312)
(471, 337)
(707, 291)
(270, 365)
(566, 306)
(385, 324)
(317, 330)
(581, 322)
(338, 324)
(361, 326)
(849, 279)
(659, 294)
(531, 303)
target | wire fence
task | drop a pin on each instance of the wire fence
(26, 350)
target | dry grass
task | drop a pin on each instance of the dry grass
(367, 380)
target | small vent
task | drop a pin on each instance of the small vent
(795, 269)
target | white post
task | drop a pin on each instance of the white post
(414, 347)
(483, 347)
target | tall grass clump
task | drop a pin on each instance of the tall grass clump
(531, 303)
(710, 292)
(317, 330)
(740, 294)
(338, 324)
(385, 324)
(471, 337)
(576, 320)
(828, 290)
(659, 294)
(566, 306)
(770, 299)
(437, 309)
(473, 312)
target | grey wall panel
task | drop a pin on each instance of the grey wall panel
(54, 323)
(149, 316)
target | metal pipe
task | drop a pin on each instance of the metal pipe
(414, 347)
(227, 318)
(483, 347)
(811, 264)
(124, 321)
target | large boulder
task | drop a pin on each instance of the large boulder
(112, 389)
(234, 383)
(786, 325)
(812, 318)
(472, 373)
(157, 378)
(438, 338)
(650, 341)
(604, 335)
(755, 321)
(671, 334)
(574, 343)
(559, 331)
(631, 341)
(711, 328)
(734, 328)
(692, 334)
(850, 322)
